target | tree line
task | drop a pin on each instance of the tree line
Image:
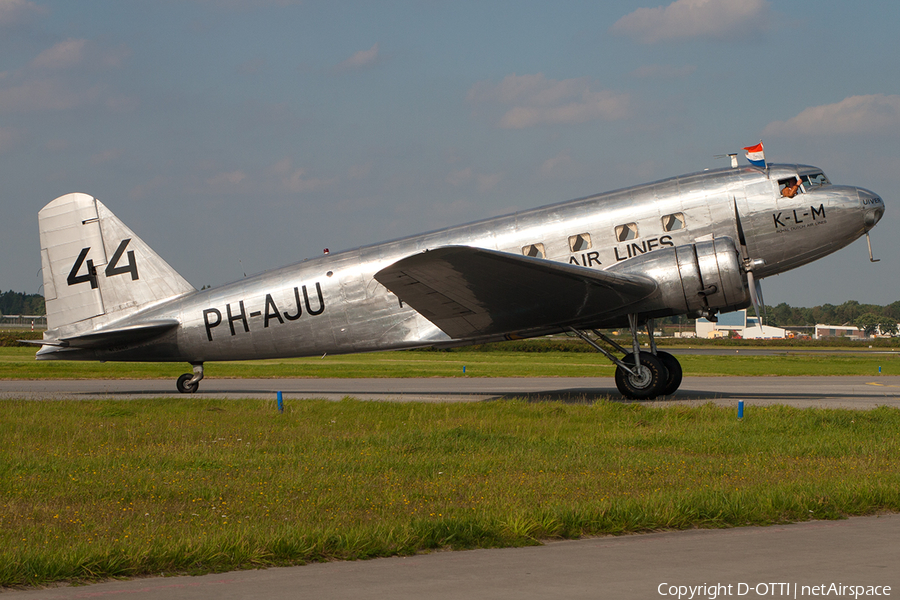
(15, 303)
(871, 318)
(783, 315)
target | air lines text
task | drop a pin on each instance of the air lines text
(633, 249)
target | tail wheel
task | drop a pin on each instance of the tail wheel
(648, 381)
(674, 368)
(184, 387)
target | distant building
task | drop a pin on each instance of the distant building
(848, 331)
(22, 321)
(748, 328)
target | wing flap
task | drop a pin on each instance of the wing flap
(470, 292)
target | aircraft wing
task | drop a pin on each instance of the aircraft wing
(469, 292)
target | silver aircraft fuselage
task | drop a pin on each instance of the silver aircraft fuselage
(333, 304)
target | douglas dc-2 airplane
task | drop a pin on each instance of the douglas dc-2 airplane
(692, 245)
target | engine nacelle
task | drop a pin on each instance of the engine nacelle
(699, 278)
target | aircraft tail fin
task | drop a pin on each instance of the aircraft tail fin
(96, 270)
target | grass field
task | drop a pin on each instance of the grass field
(111, 488)
(90, 490)
(19, 363)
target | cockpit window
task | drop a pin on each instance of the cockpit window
(790, 187)
(814, 180)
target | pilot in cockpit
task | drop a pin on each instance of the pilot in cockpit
(789, 191)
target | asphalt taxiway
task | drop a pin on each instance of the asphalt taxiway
(862, 392)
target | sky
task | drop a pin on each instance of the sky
(236, 136)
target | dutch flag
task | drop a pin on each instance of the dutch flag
(756, 156)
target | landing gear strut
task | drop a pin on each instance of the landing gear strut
(651, 374)
(189, 382)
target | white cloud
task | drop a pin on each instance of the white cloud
(13, 12)
(360, 60)
(146, 190)
(8, 139)
(251, 67)
(460, 177)
(486, 183)
(105, 156)
(122, 103)
(113, 57)
(73, 52)
(298, 183)
(58, 145)
(282, 167)
(561, 163)
(63, 55)
(664, 71)
(536, 100)
(875, 113)
(250, 5)
(483, 182)
(46, 95)
(58, 79)
(685, 19)
(228, 179)
(360, 171)
(295, 180)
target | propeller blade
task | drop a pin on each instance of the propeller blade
(762, 301)
(742, 241)
(752, 284)
(755, 287)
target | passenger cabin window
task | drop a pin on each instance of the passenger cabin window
(580, 242)
(673, 222)
(626, 232)
(534, 250)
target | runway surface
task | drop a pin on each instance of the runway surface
(774, 561)
(834, 392)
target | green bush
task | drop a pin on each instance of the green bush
(11, 338)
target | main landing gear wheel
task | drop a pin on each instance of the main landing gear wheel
(648, 381)
(189, 382)
(674, 368)
(184, 385)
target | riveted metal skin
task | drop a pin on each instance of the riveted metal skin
(684, 259)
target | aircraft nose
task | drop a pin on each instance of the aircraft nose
(873, 205)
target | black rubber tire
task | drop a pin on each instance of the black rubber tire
(650, 384)
(182, 384)
(675, 374)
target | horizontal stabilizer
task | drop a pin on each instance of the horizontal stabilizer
(117, 336)
(470, 292)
